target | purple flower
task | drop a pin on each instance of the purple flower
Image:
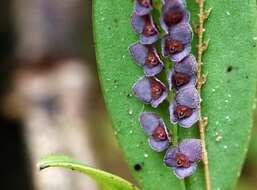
(177, 44)
(154, 126)
(183, 73)
(184, 109)
(145, 26)
(184, 157)
(143, 7)
(174, 12)
(150, 90)
(147, 57)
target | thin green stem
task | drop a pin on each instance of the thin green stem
(175, 134)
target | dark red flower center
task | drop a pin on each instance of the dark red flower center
(156, 89)
(149, 29)
(159, 134)
(151, 59)
(182, 160)
(183, 111)
(174, 46)
(173, 16)
(145, 3)
(180, 79)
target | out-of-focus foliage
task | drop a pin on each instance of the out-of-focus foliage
(106, 180)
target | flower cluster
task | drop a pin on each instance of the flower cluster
(176, 45)
(148, 89)
(184, 109)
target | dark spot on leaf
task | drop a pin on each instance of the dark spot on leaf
(229, 69)
(137, 167)
(246, 76)
(109, 28)
(254, 45)
(116, 20)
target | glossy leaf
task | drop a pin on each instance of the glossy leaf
(106, 180)
(230, 63)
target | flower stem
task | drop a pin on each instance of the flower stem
(203, 121)
(175, 134)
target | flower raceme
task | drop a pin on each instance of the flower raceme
(184, 108)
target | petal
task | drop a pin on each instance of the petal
(172, 84)
(163, 25)
(188, 96)
(181, 173)
(141, 10)
(137, 23)
(190, 121)
(151, 71)
(164, 51)
(180, 1)
(139, 52)
(192, 148)
(149, 121)
(158, 146)
(157, 102)
(149, 39)
(173, 117)
(181, 55)
(185, 18)
(142, 90)
(182, 32)
(188, 65)
(170, 157)
(174, 5)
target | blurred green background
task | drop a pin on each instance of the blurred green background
(51, 101)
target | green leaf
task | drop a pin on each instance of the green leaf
(228, 95)
(106, 180)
